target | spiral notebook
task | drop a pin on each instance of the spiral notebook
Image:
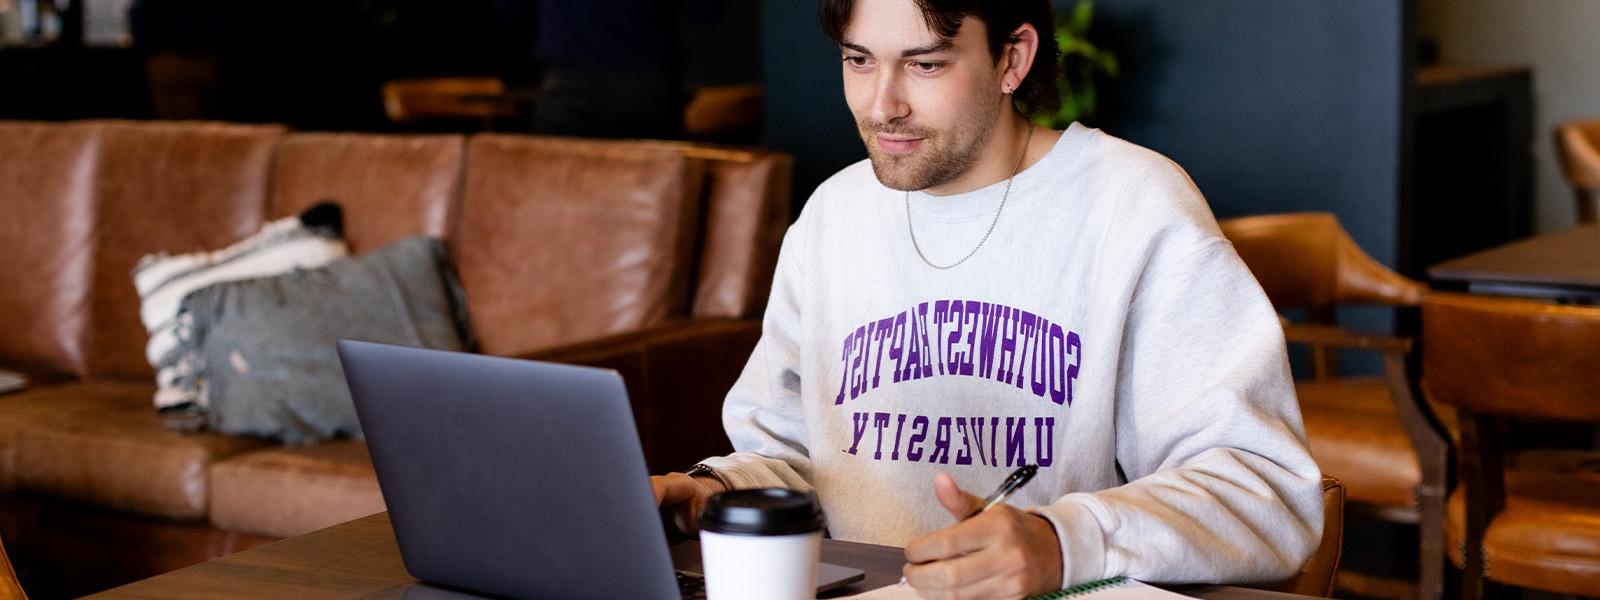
(1116, 588)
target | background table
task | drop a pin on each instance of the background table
(359, 559)
(1562, 265)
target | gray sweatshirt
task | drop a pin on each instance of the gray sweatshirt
(1106, 332)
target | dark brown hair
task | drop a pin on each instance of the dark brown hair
(1037, 93)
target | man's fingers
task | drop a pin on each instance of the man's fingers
(960, 504)
(966, 536)
(675, 488)
(977, 575)
(1001, 553)
(658, 489)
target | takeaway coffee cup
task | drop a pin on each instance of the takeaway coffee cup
(761, 543)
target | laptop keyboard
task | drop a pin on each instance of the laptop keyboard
(691, 586)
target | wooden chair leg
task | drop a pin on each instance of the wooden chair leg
(1432, 445)
(1483, 479)
(1472, 576)
(1588, 206)
(1431, 554)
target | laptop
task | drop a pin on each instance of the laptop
(518, 478)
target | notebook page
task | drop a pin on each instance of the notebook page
(1127, 590)
(11, 381)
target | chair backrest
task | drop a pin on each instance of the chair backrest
(1579, 144)
(724, 110)
(1307, 260)
(409, 100)
(1509, 357)
(10, 587)
(1316, 577)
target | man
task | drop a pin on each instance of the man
(983, 293)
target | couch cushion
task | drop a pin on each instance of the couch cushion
(174, 187)
(100, 443)
(390, 186)
(45, 173)
(284, 492)
(562, 240)
(747, 212)
(267, 346)
(164, 281)
(1355, 435)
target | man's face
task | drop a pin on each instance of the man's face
(925, 105)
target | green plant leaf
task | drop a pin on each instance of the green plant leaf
(1082, 63)
(1078, 47)
(1108, 64)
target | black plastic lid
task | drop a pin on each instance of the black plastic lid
(766, 511)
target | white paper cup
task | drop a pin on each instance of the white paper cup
(761, 545)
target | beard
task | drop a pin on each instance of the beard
(944, 156)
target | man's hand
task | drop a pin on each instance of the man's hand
(1002, 553)
(687, 494)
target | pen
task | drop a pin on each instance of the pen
(1014, 482)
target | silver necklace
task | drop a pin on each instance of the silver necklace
(1014, 170)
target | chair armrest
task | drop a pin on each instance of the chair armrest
(677, 376)
(1335, 337)
(1316, 576)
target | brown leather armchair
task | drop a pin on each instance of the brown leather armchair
(1371, 432)
(409, 101)
(10, 588)
(1535, 524)
(1317, 576)
(1579, 144)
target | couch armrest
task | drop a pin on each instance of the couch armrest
(677, 375)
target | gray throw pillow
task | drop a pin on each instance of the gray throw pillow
(267, 346)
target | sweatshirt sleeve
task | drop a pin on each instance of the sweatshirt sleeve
(762, 412)
(1222, 488)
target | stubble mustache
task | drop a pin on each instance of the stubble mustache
(870, 127)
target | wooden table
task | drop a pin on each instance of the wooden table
(1562, 265)
(359, 559)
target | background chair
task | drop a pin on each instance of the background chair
(1371, 432)
(481, 99)
(1536, 524)
(729, 114)
(1579, 145)
(1316, 577)
(10, 588)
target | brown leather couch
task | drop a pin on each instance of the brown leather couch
(652, 258)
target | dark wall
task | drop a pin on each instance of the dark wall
(1271, 105)
(806, 114)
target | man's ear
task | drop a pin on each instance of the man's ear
(1016, 57)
